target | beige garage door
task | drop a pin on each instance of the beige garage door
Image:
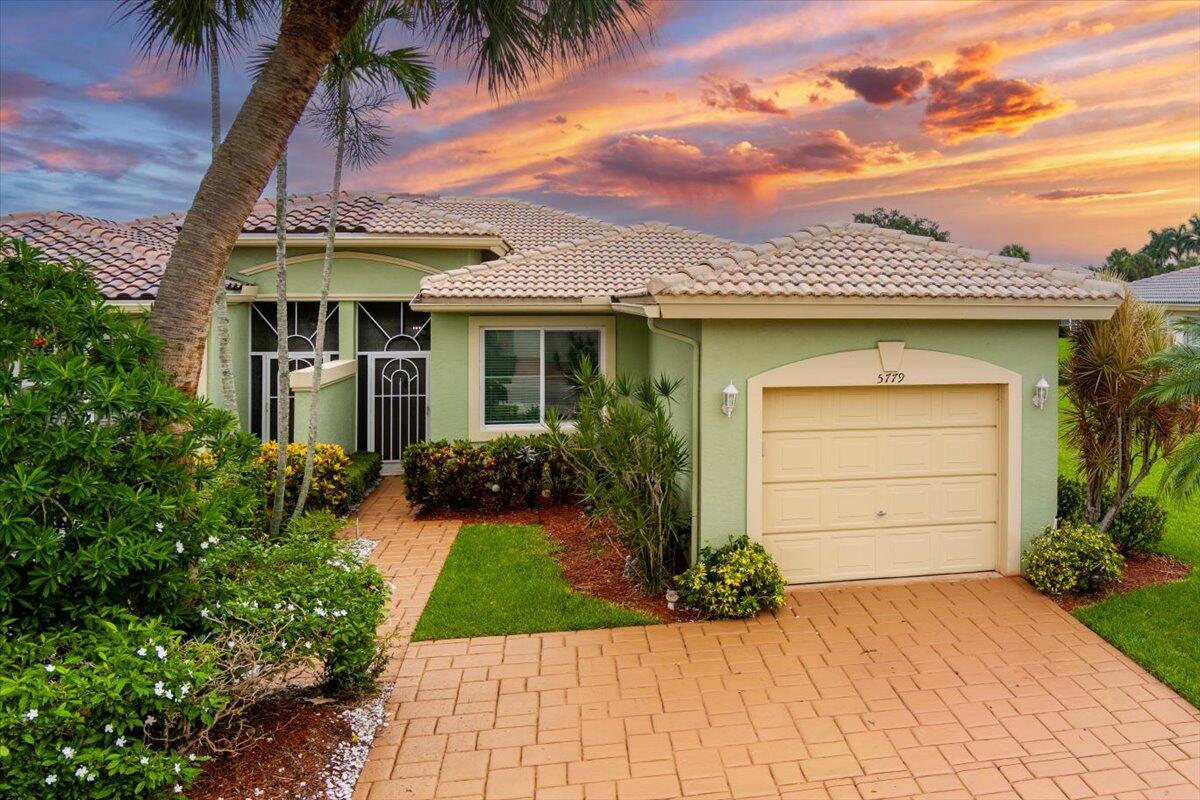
(866, 482)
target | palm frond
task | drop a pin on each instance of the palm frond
(179, 28)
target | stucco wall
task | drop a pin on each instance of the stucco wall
(335, 416)
(239, 347)
(735, 350)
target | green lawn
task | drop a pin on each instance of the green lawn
(1157, 625)
(502, 579)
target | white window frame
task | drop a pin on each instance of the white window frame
(479, 429)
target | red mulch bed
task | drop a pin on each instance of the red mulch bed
(592, 556)
(290, 746)
(1141, 569)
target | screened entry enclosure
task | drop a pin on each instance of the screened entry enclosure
(393, 377)
(301, 341)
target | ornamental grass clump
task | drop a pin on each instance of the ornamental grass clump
(736, 580)
(1072, 558)
(629, 463)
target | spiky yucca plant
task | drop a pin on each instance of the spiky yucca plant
(1180, 382)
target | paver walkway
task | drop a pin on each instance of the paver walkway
(973, 688)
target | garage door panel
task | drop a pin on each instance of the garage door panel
(836, 455)
(873, 407)
(878, 482)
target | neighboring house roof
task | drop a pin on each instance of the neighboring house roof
(858, 260)
(594, 267)
(522, 225)
(1178, 288)
(127, 262)
(363, 213)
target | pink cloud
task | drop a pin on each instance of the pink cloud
(141, 80)
(737, 96)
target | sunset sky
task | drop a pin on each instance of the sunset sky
(1068, 127)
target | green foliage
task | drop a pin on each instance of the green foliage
(327, 491)
(1179, 381)
(93, 713)
(1072, 558)
(503, 579)
(735, 580)
(897, 220)
(1072, 499)
(362, 474)
(630, 462)
(98, 494)
(1015, 251)
(302, 599)
(494, 474)
(1139, 525)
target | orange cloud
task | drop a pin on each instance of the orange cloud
(1070, 195)
(737, 96)
(139, 81)
(970, 101)
(882, 86)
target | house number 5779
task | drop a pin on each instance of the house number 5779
(890, 377)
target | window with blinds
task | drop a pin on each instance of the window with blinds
(528, 370)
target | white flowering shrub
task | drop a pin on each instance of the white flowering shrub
(99, 713)
(305, 598)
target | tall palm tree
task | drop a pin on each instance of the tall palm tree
(360, 63)
(195, 32)
(1179, 382)
(508, 43)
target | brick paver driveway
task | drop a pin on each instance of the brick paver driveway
(972, 688)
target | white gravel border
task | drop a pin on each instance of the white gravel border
(348, 758)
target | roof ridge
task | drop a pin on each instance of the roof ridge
(525, 256)
(541, 206)
(439, 213)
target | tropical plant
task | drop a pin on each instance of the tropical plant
(1119, 430)
(1179, 382)
(195, 32)
(508, 45)
(1130, 266)
(1074, 557)
(1015, 251)
(735, 580)
(328, 477)
(1138, 527)
(360, 80)
(629, 462)
(898, 220)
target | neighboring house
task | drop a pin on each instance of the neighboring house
(884, 422)
(1177, 293)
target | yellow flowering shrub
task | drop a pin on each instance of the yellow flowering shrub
(736, 580)
(328, 490)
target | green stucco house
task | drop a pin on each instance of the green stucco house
(867, 403)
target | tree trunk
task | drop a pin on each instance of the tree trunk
(310, 33)
(326, 277)
(221, 307)
(283, 366)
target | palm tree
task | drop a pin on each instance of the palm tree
(1179, 382)
(1015, 251)
(360, 63)
(508, 43)
(196, 32)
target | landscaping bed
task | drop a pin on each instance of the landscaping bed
(590, 554)
(1141, 570)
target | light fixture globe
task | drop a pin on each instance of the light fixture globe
(1040, 391)
(729, 399)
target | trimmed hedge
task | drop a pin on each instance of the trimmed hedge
(361, 474)
(1072, 558)
(496, 474)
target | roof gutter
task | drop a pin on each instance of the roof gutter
(694, 545)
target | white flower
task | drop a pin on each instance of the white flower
(213, 539)
(191, 756)
(204, 613)
(49, 668)
(183, 690)
(120, 742)
(151, 719)
(68, 751)
(204, 545)
(144, 760)
(179, 547)
(108, 728)
(320, 612)
(178, 788)
(158, 689)
(31, 714)
(51, 779)
(81, 772)
(141, 651)
(91, 776)
(161, 652)
(178, 767)
(158, 526)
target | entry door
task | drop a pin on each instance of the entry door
(864, 482)
(301, 339)
(398, 413)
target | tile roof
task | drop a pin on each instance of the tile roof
(127, 261)
(1178, 288)
(521, 224)
(364, 213)
(857, 260)
(601, 265)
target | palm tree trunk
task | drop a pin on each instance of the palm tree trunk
(221, 307)
(283, 367)
(326, 277)
(236, 177)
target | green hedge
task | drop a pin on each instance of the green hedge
(496, 474)
(361, 475)
(1138, 526)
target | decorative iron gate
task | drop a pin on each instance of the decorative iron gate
(393, 357)
(264, 377)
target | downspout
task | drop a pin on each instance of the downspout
(695, 429)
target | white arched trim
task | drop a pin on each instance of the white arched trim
(920, 368)
(393, 260)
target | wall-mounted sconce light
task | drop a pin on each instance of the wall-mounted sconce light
(1040, 390)
(729, 399)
